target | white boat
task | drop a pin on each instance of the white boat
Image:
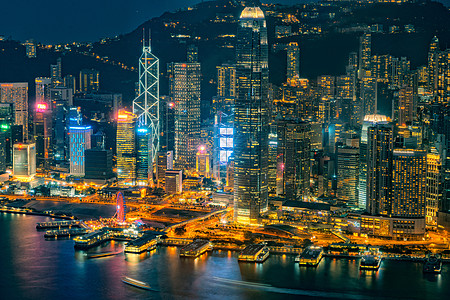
(137, 283)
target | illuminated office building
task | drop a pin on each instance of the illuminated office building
(365, 53)
(226, 81)
(368, 96)
(79, 141)
(61, 104)
(203, 162)
(6, 127)
(126, 146)
(400, 72)
(381, 67)
(380, 144)
(294, 100)
(89, 81)
(30, 48)
(192, 54)
(187, 96)
(345, 87)
(164, 163)
(43, 85)
(147, 110)
(434, 187)
(3, 149)
(17, 94)
(443, 77)
(293, 159)
(24, 160)
(369, 120)
(56, 73)
(223, 144)
(143, 170)
(174, 181)
(408, 183)
(433, 58)
(251, 117)
(226, 88)
(293, 60)
(407, 106)
(167, 119)
(348, 174)
(43, 134)
(70, 82)
(326, 85)
(272, 174)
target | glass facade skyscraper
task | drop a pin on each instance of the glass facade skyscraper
(126, 146)
(251, 118)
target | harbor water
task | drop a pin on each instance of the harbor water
(35, 268)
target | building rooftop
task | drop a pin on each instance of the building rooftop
(252, 13)
(252, 249)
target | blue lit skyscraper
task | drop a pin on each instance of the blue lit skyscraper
(251, 117)
(79, 140)
(142, 155)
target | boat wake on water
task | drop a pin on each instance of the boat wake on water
(273, 289)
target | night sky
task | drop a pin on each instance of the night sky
(59, 21)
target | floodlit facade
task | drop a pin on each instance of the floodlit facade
(126, 146)
(187, 96)
(251, 118)
(408, 183)
(146, 109)
(79, 141)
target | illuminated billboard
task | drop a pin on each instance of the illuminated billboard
(41, 107)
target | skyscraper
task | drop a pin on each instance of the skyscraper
(293, 60)
(368, 94)
(433, 57)
(164, 163)
(43, 133)
(89, 81)
(56, 73)
(30, 48)
(126, 146)
(24, 163)
(43, 85)
(408, 183)
(143, 168)
(79, 141)
(147, 110)
(365, 52)
(251, 117)
(226, 89)
(347, 174)
(203, 166)
(293, 159)
(369, 120)
(407, 106)
(187, 95)
(16, 93)
(434, 187)
(380, 144)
